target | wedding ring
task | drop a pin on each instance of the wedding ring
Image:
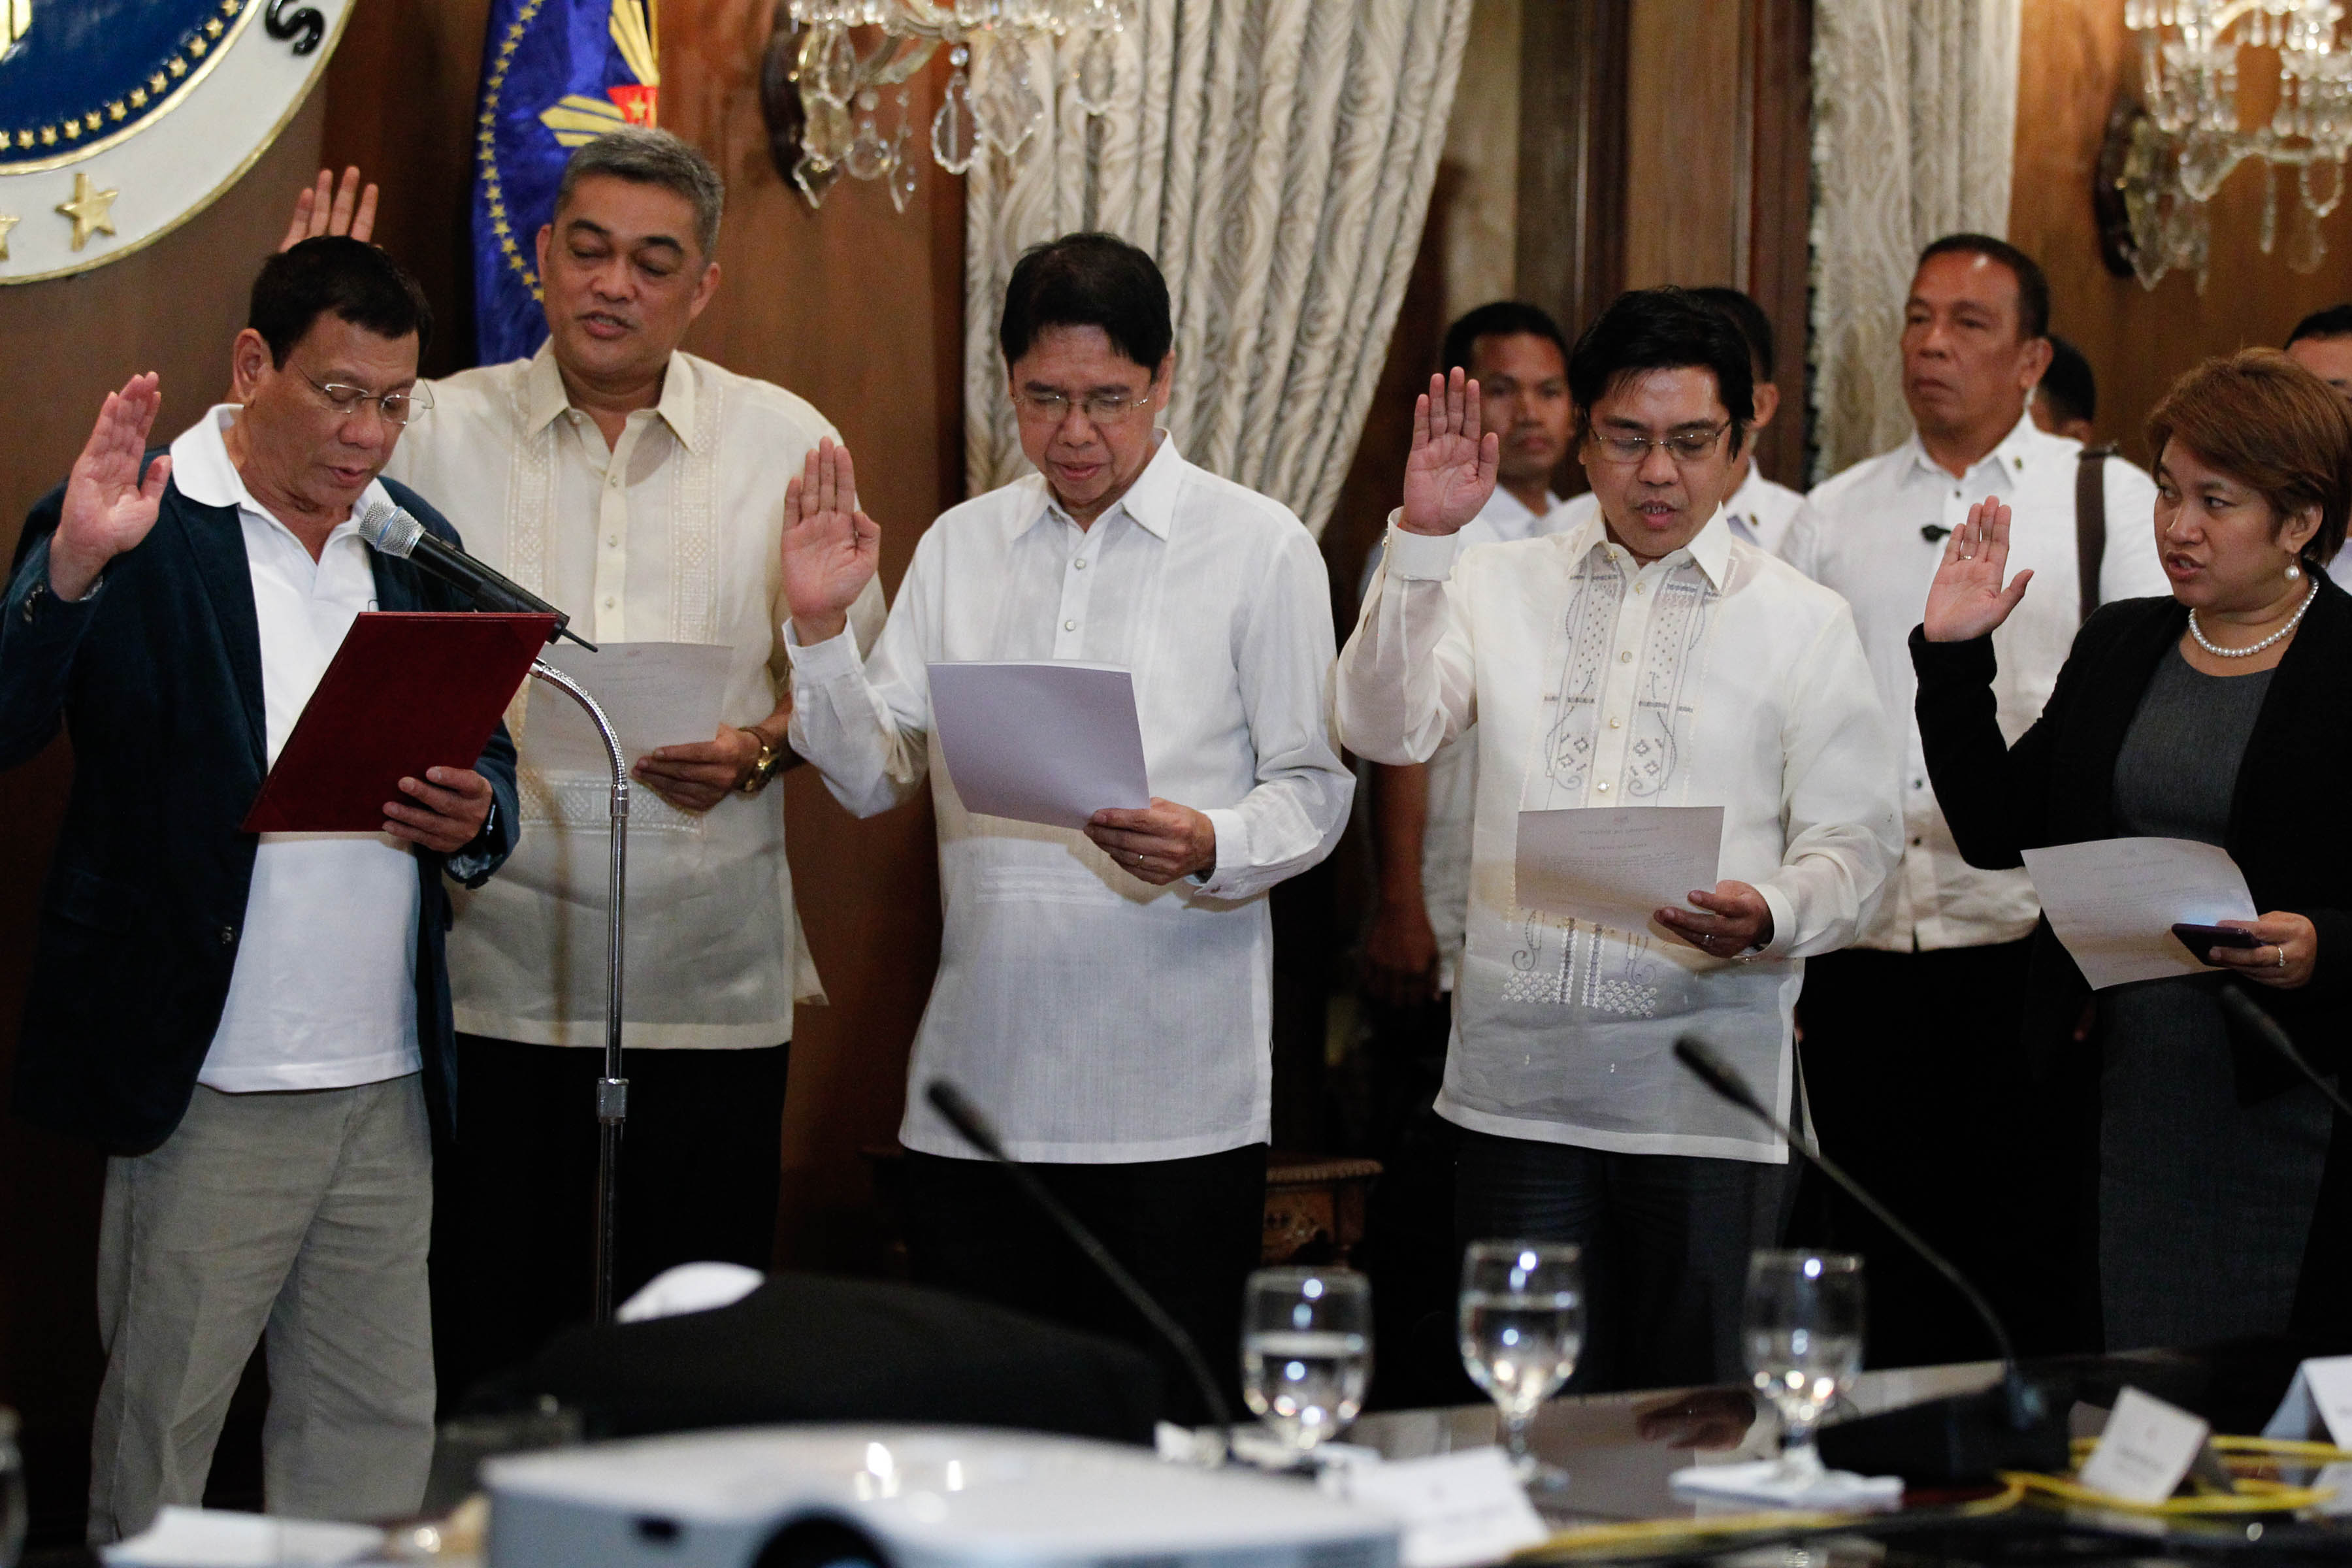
(2281, 953)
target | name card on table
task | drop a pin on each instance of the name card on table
(2145, 1450)
(1456, 1509)
(2318, 1403)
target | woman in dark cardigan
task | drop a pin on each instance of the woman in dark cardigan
(2222, 714)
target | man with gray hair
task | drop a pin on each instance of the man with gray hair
(642, 489)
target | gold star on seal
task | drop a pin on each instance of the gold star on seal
(92, 210)
(7, 222)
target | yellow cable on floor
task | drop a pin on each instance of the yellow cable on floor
(2252, 1496)
(1589, 1538)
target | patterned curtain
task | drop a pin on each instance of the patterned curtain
(1915, 126)
(1276, 157)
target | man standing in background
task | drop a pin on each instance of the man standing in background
(2322, 343)
(1912, 1035)
(1421, 812)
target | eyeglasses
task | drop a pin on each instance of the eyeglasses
(1685, 447)
(1100, 407)
(397, 407)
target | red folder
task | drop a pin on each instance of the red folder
(408, 690)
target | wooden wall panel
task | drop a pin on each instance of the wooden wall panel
(2072, 58)
(1686, 141)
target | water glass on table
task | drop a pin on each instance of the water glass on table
(1522, 1328)
(1802, 1327)
(1306, 1353)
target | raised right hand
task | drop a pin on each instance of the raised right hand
(830, 548)
(324, 208)
(109, 508)
(1967, 601)
(1451, 473)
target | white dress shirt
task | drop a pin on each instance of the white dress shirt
(323, 993)
(1859, 533)
(1453, 774)
(1713, 676)
(669, 535)
(1095, 1016)
(1758, 512)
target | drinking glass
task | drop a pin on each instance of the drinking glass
(1804, 1331)
(1522, 1327)
(1307, 1352)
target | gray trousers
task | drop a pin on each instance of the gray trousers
(298, 1219)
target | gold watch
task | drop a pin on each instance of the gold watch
(765, 765)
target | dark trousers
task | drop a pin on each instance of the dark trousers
(1408, 1247)
(1188, 1230)
(1665, 1240)
(1920, 1088)
(514, 1201)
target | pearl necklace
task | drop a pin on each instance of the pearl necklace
(2252, 648)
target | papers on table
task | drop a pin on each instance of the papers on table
(655, 694)
(1615, 864)
(1052, 742)
(2318, 1403)
(1764, 1482)
(2114, 902)
(2145, 1450)
(210, 1538)
(1456, 1509)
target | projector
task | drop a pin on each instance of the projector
(908, 1497)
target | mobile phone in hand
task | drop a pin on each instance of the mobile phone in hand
(2200, 940)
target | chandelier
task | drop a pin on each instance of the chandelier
(846, 53)
(2174, 153)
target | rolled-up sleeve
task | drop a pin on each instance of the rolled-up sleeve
(1405, 679)
(1294, 814)
(1838, 802)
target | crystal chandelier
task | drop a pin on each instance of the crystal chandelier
(990, 100)
(2193, 55)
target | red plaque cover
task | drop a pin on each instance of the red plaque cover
(408, 691)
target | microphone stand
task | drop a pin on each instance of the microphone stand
(613, 1087)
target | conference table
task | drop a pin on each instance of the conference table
(1620, 1450)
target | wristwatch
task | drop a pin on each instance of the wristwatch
(766, 765)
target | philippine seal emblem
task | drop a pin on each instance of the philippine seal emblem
(121, 119)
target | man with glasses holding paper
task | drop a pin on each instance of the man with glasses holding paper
(1646, 659)
(1104, 992)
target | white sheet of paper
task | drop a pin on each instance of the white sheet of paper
(1053, 741)
(1456, 1509)
(655, 693)
(2146, 1448)
(2318, 1403)
(215, 1538)
(2114, 902)
(1615, 864)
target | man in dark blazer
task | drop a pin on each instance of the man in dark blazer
(256, 1029)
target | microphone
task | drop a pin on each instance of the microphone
(2242, 1010)
(1935, 533)
(390, 531)
(973, 1128)
(1953, 1439)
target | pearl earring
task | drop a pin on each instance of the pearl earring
(2293, 571)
